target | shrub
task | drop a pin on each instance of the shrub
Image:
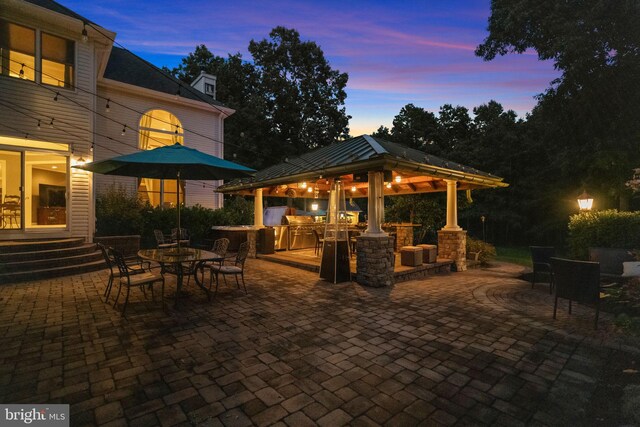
(487, 250)
(118, 213)
(606, 229)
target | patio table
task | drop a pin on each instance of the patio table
(171, 256)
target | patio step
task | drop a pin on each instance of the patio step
(30, 245)
(22, 260)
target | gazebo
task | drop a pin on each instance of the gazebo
(373, 168)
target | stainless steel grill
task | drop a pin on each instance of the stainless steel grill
(301, 231)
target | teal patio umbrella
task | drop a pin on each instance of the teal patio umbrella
(170, 162)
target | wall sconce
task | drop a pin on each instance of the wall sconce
(398, 179)
(585, 201)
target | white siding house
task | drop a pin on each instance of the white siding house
(54, 88)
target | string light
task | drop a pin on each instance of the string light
(177, 127)
(178, 94)
(38, 124)
(388, 185)
(304, 184)
(107, 108)
(85, 35)
(22, 71)
(55, 98)
(51, 123)
(91, 149)
(26, 136)
(309, 190)
(398, 178)
(353, 189)
(124, 129)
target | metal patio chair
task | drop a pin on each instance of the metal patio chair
(129, 280)
(236, 269)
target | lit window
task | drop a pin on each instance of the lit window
(159, 128)
(17, 51)
(57, 61)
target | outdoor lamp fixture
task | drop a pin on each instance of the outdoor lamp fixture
(304, 184)
(585, 201)
(398, 179)
(388, 185)
(314, 206)
(85, 35)
(309, 190)
(353, 188)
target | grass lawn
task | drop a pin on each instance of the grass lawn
(516, 255)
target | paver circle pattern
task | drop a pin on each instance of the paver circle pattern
(471, 348)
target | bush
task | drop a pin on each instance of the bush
(121, 213)
(605, 229)
(118, 213)
(487, 250)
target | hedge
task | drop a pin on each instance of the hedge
(604, 229)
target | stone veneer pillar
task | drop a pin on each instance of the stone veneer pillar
(452, 244)
(252, 237)
(375, 260)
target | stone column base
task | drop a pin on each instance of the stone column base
(452, 244)
(252, 236)
(375, 261)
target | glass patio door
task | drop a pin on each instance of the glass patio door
(11, 203)
(45, 190)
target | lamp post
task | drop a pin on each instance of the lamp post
(585, 201)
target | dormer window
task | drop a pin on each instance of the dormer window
(205, 83)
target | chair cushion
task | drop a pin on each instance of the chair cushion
(143, 278)
(226, 269)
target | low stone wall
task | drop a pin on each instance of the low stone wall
(452, 244)
(375, 261)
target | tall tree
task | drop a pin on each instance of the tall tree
(590, 113)
(415, 127)
(287, 101)
(304, 97)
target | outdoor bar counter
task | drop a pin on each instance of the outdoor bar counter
(236, 234)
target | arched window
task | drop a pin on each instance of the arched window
(159, 128)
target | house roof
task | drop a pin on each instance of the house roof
(365, 153)
(126, 67)
(57, 7)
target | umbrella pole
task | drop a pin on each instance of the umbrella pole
(179, 228)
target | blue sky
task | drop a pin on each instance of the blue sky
(395, 52)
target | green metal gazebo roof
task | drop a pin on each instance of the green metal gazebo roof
(360, 155)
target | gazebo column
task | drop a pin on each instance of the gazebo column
(258, 214)
(374, 248)
(452, 240)
(258, 223)
(376, 205)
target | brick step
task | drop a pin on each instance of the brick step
(69, 270)
(85, 248)
(46, 263)
(13, 246)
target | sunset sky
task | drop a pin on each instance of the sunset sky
(395, 53)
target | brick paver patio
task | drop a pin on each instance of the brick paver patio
(472, 348)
